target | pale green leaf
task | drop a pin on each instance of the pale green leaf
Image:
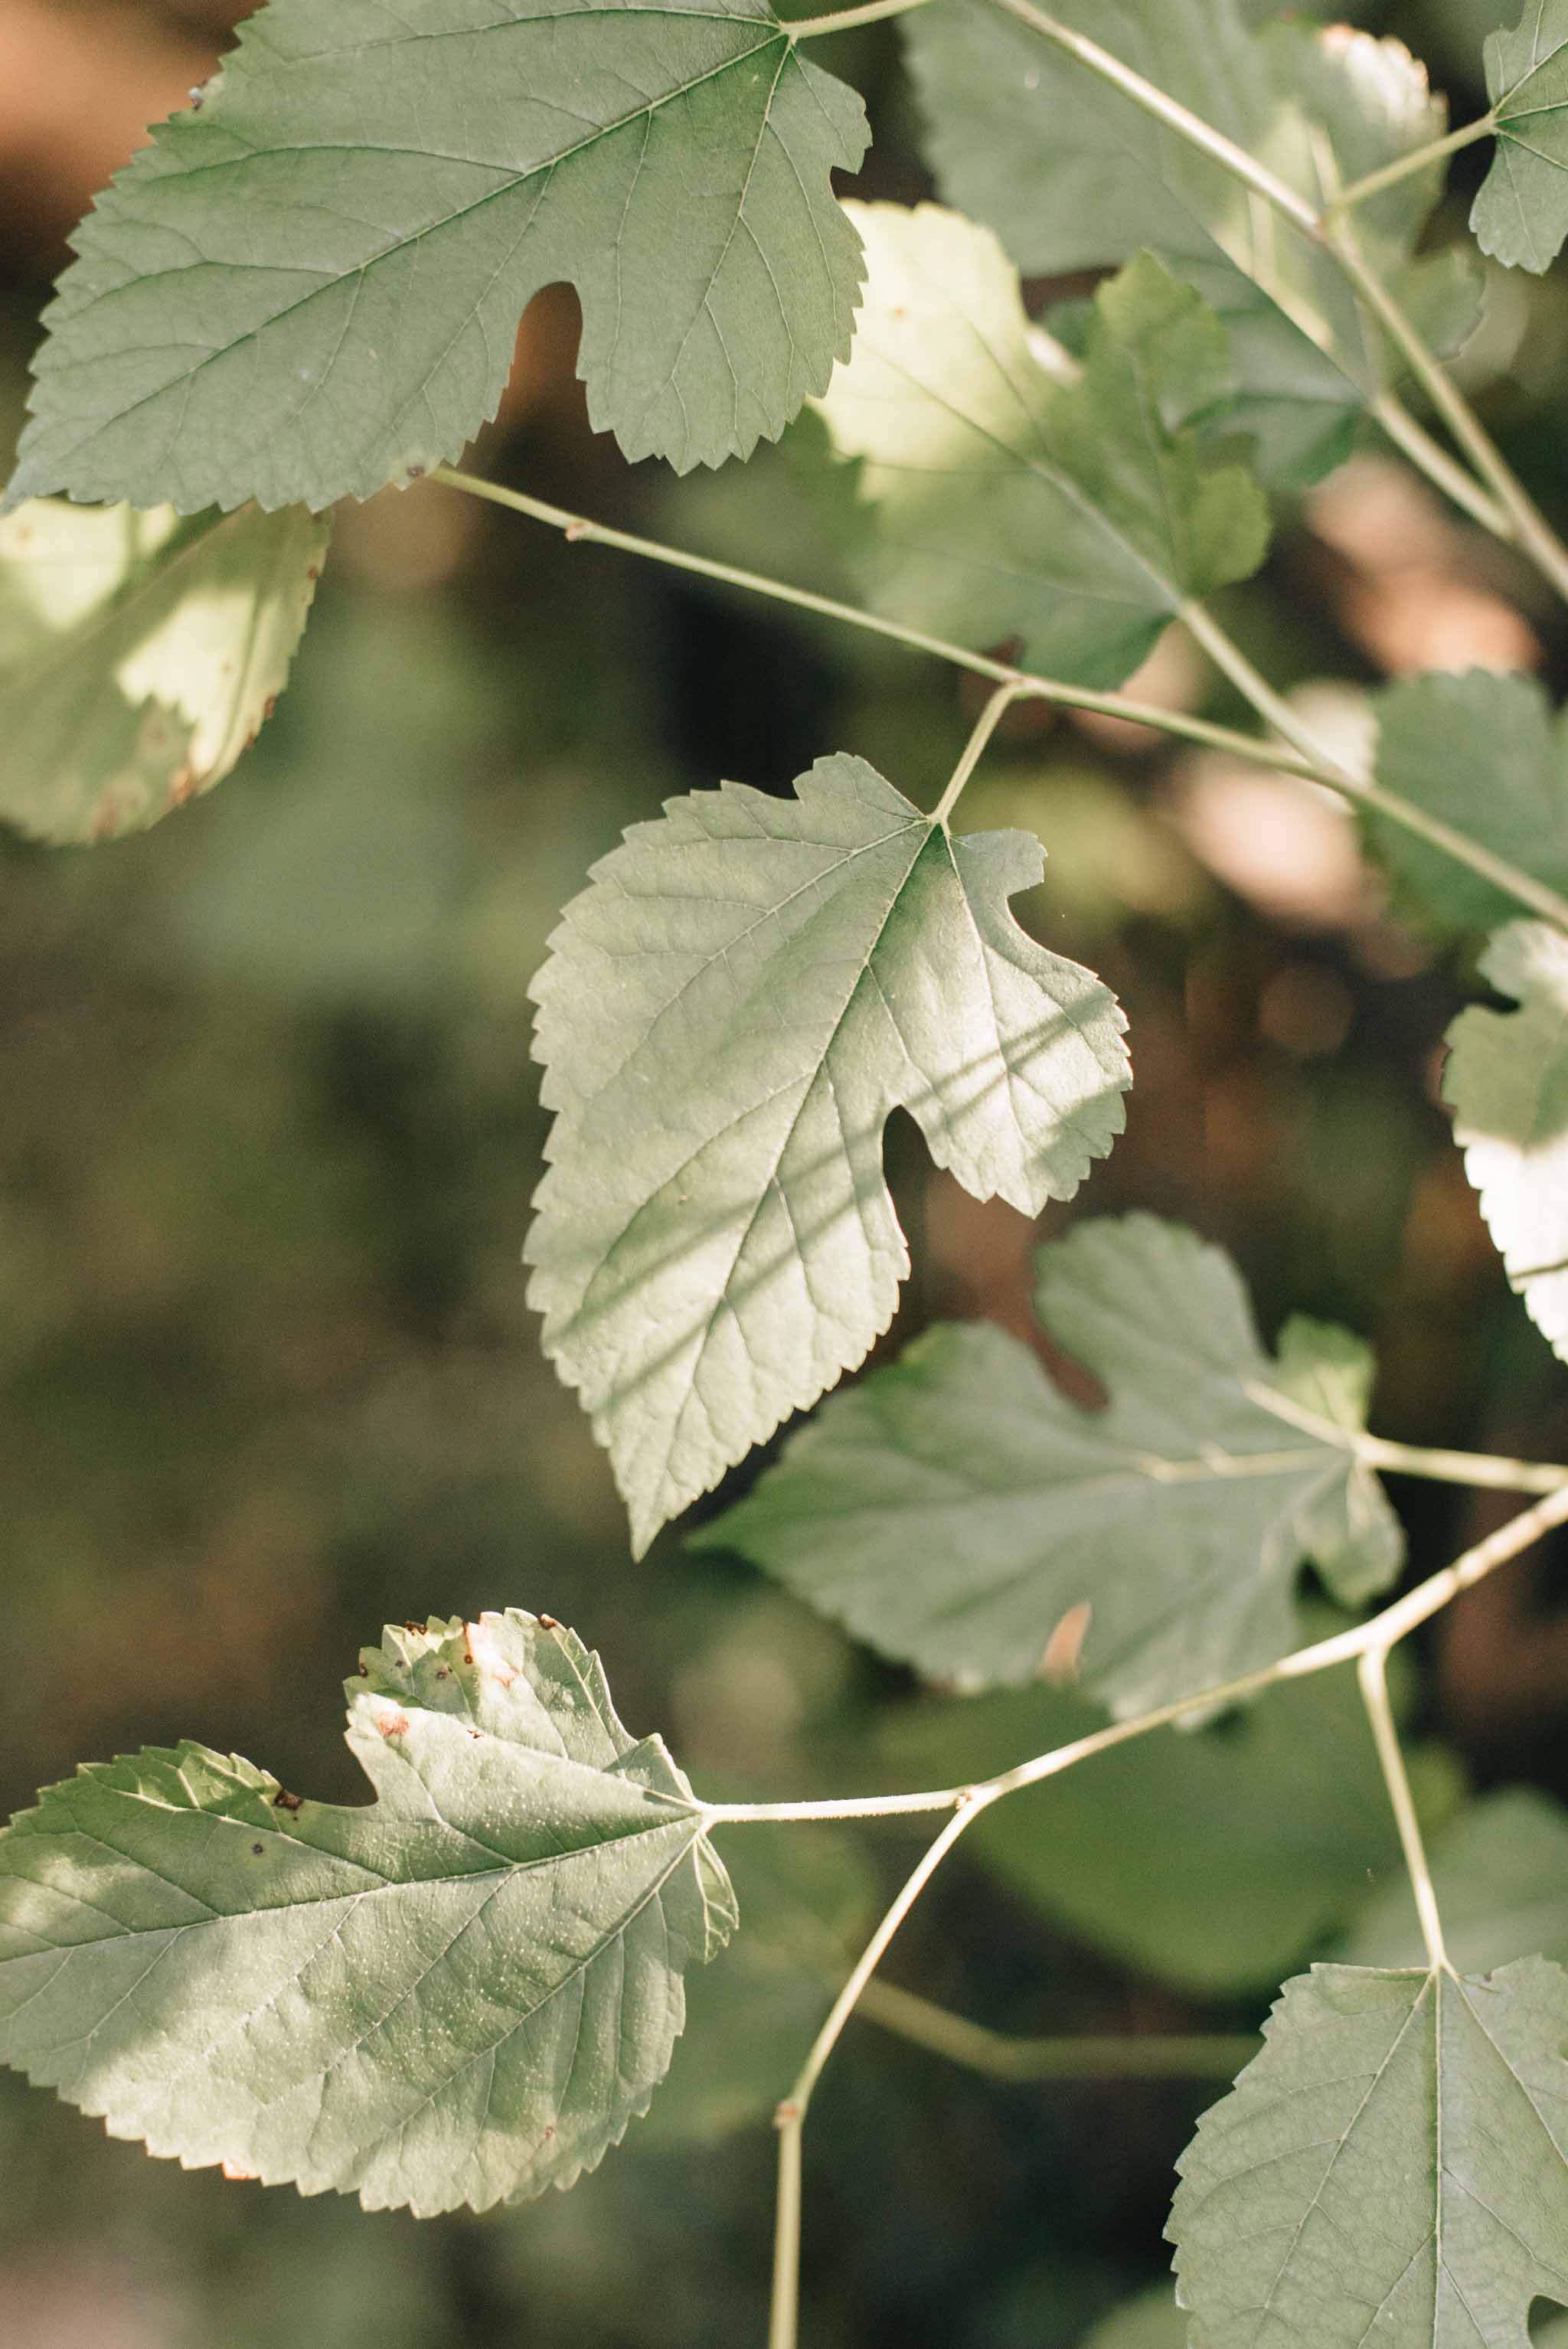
(956, 1508)
(1507, 1081)
(1073, 175)
(311, 286)
(139, 656)
(1521, 210)
(1486, 754)
(1393, 2167)
(729, 1015)
(1014, 493)
(1213, 1859)
(1500, 1873)
(459, 1993)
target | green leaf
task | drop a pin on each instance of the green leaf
(1393, 2167)
(809, 1899)
(1213, 1860)
(729, 1015)
(1521, 211)
(1152, 2320)
(311, 286)
(1499, 1870)
(1074, 176)
(139, 657)
(460, 1993)
(1507, 1081)
(1071, 508)
(956, 1508)
(1488, 755)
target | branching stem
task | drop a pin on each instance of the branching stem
(1147, 2056)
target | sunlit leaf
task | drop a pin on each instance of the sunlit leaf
(1016, 494)
(1392, 2168)
(957, 1511)
(1499, 1869)
(311, 286)
(1521, 211)
(140, 656)
(459, 1993)
(1073, 175)
(1507, 1079)
(1213, 1860)
(731, 1011)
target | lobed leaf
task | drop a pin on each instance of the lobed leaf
(1507, 1081)
(459, 1993)
(958, 1512)
(1520, 212)
(729, 1014)
(1487, 754)
(1073, 175)
(311, 286)
(1072, 509)
(139, 657)
(1393, 2165)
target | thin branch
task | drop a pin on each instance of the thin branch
(1373, 1674)
(1485, 1469)
(1419, 159)
(812, 28)
(1136, 2055)
(789, 2118)
(1429, 457)
(990, 718)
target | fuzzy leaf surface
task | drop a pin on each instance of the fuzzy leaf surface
(957, 1506)
(730, 1013)
(459, 1993)
(1392, 2167)
(1490, 756)
(1521, 211)
(1073, 509)
(1073, 175)
(139, 657)
(313, 284)
(1507, 1081)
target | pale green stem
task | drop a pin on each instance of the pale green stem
(1418, 159)
(1333, 231)
(1228, 656)
(581, 530)
(1482, 1468)
(812, 28)
(1384, 1630)
(789, 2118)
(1137, 2056)
(1373, 1673)
(1296, 755)
(1429, 457)
(990, 718)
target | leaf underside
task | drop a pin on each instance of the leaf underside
(730, 1013)
(1392, 2168)
(1520, 212)
(956, 1507)
(139, 658)
(1074, 176)
(311, 286)
(1507, 1081)
(459, 1993)
(1073, 510)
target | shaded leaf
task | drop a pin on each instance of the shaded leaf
(1520, 212)
(459, 1993)
(139, 657)
(1393, 2165)
(729, 1015)
(1489, 756)
(1507, 1081)
(956, 1508)
(1072, 175)
(312, 286)
(1212, 1859)
(1073, 510)
(1499, 1870)
(1152, 2320)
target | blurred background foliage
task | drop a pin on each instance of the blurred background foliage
(268, 1134)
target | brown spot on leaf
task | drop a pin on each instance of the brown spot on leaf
(548, 1623)
(241, 2177)
(284, 1801)
(419, 1628)
(1063, 1649)
(268, 705)
(392, 1724)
